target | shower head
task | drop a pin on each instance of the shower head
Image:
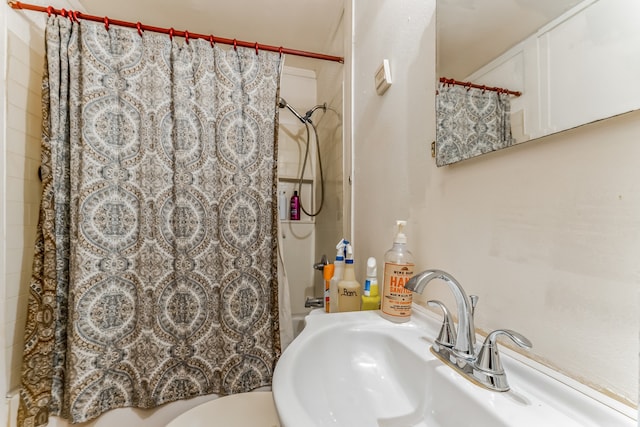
(284, 104)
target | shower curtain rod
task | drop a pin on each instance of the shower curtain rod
(75, 15)
(473, 85)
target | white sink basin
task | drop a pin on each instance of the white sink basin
(357, 369)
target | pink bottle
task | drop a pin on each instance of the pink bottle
(295, 207)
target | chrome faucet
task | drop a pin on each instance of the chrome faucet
(466, 337)
(457, 349)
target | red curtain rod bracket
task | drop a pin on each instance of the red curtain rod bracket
(142, 27)
(483, 87)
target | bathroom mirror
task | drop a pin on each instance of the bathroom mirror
(573, 60)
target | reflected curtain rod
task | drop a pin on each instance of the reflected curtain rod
(476, 86)
(75, 15)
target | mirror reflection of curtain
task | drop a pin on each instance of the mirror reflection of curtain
(470, 122)
(155, 267)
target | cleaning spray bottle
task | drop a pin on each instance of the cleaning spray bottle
(338, 269)
(370, 294)
(398, 269)
(349, 289)
(327, 273)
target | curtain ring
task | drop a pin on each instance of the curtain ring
(186, 36)
(235, 44)
(280, 50)
(76, 15)
(63, 12)
(139, 27)
(49, 10)
(211, 41)
(70, 15)
(171, 30)
(257, 47)
(106, 23)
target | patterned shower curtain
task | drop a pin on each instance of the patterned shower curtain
(470, 122)
(155, 273)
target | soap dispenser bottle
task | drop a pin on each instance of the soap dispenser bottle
(398, 269)
(349, 289)
(370, 293)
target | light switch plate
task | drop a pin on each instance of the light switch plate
(383, 77)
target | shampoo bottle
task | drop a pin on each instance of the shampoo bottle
(370, 294)
(282, 205)
(349, 289)
(294, 207)
(338, 269)
(398, 269)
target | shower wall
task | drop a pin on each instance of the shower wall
(298, 87)
(21, 50)
(305, 241)
(333, 222)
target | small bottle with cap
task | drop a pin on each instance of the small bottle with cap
(370, 293)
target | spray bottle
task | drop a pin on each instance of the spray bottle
(338, 269)
(398, 269)
(370, 294)
(349, 289)
(327, 273)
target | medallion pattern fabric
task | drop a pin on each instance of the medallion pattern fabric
(155, 275)
(470, 122)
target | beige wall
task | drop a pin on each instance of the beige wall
(546, 233)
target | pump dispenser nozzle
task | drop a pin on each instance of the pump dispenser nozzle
(400, 236)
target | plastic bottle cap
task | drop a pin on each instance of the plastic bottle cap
(400, 236)
(372, 269)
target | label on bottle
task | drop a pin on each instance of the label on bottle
(327, 297)
(348, 296)
(396, 300)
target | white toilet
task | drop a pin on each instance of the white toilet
(254, 409)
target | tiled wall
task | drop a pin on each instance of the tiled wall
(298, 87)
(22, 198)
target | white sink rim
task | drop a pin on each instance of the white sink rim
(565, 396)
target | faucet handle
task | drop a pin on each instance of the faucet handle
(489, 358)
(447, 335)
